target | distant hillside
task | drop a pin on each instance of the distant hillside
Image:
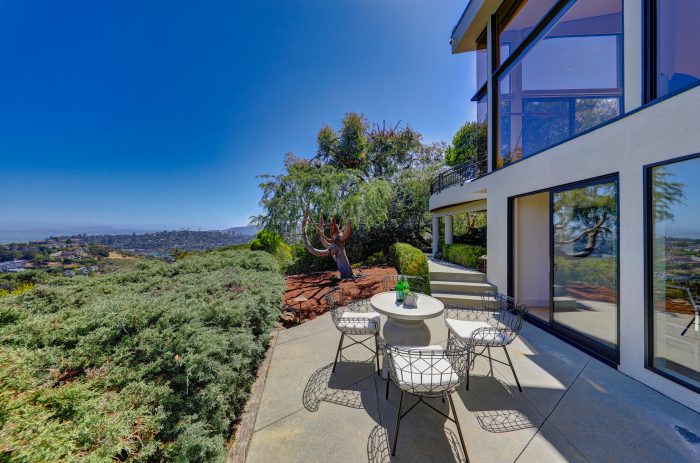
(250, 230)
(162, 243)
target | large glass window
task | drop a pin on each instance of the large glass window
(569, 81)
(482, 109)
(675, 270)
(585, 254)
(481, 61)
(677, 38)
(527, 15)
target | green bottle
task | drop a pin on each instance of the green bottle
(400, 289)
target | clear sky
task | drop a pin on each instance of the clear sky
(160, 114)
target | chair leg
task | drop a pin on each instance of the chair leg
(376, 353)
(512, 369)
(467, 381)
(398, 422)
(337, 354)
(459, 428)
(388, 380)
(488, 349)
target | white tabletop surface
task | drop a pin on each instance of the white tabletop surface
(426, 307)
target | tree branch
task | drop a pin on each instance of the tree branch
(345, 234)
(309, 247)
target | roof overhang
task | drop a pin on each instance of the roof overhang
(471, 24)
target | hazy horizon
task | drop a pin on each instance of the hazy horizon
(25, 235)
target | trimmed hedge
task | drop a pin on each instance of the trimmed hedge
(410, 261)
(151, 364)
(467, 255)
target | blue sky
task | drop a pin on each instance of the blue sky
(160, 114)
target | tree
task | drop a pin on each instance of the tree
(666, 193)
(310, 189)
(469, 142)
(583, 213)
(372, 179)
(333, 242)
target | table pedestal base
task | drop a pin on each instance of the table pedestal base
(408, 333)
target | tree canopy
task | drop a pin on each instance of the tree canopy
(469, 141)
(362, 173)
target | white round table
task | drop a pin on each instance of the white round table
(406, 325)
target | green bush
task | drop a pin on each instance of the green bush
(600, 271)
(410, 261)
(272, 243)
(305, 262)
(150, 364)
(464, 254)
(377, 258)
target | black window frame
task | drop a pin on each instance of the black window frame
(648, 271)
(503, 14)
(607, 355)
(650, 61)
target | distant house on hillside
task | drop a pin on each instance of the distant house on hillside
(71, 254)
(13, 266)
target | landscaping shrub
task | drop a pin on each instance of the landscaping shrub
(305, 262)
(150, 364)
(272, 243)
(377, 258)
(410, 261)
(601, 271)
(464, 254)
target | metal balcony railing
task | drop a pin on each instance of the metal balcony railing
(461, 173)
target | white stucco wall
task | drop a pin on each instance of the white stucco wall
(663, 131)
(666, 130)
(531, 249)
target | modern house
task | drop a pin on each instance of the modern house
(591, 182)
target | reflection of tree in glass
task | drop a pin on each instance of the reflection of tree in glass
(666, 193)
(583, 214)
(591, 112)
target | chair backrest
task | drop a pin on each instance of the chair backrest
(427, 372)
(415, 283)
(335, 298)
(508, 311)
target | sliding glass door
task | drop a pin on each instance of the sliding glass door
(584, 252)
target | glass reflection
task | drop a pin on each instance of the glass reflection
(481, 64)
(677, 44)
(585, 261)
(520, 25)
(676, 269)
(482, 107)
(568, 82)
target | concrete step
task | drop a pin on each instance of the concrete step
(460, 287)
(466, 276)
(467, 300)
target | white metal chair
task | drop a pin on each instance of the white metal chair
(356, 318)
(495, 324)
(427, 372)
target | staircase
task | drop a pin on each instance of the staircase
(453, 284)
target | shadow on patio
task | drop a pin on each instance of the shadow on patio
(572, 408)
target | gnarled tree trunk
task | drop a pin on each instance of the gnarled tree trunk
(333, 243)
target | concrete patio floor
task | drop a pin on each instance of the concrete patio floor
(572, 408)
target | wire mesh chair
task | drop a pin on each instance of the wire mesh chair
(356, 318)
(428, 372)
(495, 324)
(414, 282)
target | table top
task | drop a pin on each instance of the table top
(426, 306)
